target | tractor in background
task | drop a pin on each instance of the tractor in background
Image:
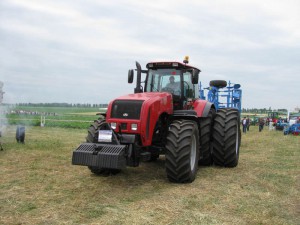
(163, 117)
(278, 122)
(221, 95)
(293, 127)
(293, 118)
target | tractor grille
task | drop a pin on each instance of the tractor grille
(126, 109)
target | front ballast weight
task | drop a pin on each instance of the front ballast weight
(100, 156)
(103, 150)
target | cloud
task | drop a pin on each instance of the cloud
(52, 48)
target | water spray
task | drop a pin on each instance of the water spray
(1, 100)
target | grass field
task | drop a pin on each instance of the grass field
(39, 185)
(67, 117)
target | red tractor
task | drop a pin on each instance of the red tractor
(165, 117)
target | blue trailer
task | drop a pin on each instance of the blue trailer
(222, 95)
(293, 129)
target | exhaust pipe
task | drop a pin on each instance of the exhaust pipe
(138, 88)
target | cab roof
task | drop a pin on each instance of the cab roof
(170, 64)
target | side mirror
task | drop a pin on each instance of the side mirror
(195, 76)
(130, 76)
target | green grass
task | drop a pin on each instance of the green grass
(66, 117)
(39, 185)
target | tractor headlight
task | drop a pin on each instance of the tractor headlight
(113, 125)
(134, 126)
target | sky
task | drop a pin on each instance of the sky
(80, 51)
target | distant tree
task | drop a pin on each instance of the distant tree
(282, 110)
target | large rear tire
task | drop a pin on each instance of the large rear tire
(182, 151)
(92, 137)
(226, 138)
(206, 125)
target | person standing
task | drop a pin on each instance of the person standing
(244, 123)
(248, 123)
(261, 124)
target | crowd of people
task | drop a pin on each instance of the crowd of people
(246, 122)
(262, 122)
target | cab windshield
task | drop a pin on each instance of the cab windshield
(176, 82)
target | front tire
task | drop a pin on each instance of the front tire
(226, 137)
(182, 151)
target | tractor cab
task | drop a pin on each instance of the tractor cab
(274, 116)
(179, 79)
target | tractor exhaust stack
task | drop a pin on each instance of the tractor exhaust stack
(138, 88)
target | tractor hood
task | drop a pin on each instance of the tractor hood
(135, 106)
(146, 96)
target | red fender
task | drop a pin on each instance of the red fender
(202, 107)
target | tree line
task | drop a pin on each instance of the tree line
(88, 105)
(77, 105)
(263, 110)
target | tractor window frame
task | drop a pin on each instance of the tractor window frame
(190, 90)
(158, 78)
